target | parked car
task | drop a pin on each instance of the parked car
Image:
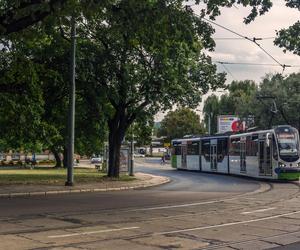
(96, 160)
(138, 155)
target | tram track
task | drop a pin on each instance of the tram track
(142, 219)
(232, 243)
(151, 222)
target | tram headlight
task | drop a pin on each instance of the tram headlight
(282, 165)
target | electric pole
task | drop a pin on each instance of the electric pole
(71, 125)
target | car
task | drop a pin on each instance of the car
(138, 155)
(96, 160)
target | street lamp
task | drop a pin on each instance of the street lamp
(71, 121)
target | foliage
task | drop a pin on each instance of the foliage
(179, 123)
(238, 101)
(242, 100)
(145, 56)
(16, 15)
(141, 129)
(286, 93)
(289, 39)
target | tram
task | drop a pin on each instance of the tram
(268, 154)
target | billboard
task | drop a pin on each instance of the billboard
(228, 123)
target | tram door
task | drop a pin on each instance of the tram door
(265, 157)
(183, 155)
(243, 154)
(213, 155)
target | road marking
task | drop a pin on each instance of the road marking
(181, 205)
(226, 224)
(92, 232)
(259, 210)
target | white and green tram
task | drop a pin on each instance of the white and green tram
(268, 154)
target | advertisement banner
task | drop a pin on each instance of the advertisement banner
(228, 123)
(124, 160)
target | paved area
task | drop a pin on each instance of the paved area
(193, 211)
(142, 181)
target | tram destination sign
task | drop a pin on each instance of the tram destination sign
(228, 123)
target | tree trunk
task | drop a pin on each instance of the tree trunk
(57, 157)
(117, 128)
(114, 156)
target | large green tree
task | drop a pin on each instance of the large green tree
(179, 123)
(145, 56)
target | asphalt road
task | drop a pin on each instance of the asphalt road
(194, 211)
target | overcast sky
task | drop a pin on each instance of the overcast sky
(239, 51)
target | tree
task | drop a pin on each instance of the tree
(286, 94)
(239, 101)
(141, 129)
(289, 38)
(145, 56)
(34, 83)
(211, 111)
(21, 102)
(16, 15)
(179, 123)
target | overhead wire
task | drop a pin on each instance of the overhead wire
(228, 71)
(253, 64)
(240, 38)
(253, 40)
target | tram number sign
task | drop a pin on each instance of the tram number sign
(286, 136)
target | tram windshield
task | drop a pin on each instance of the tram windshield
(288, 142)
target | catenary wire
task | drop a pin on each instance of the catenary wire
(253, 64)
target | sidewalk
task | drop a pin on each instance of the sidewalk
(142, 181)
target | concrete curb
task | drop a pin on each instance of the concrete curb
(147, 184)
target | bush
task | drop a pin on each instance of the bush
(19, 163)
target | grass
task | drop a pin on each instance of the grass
(52, 176)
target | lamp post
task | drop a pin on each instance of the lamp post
(71, 121)
(209, 123)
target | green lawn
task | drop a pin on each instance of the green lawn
(52, 176)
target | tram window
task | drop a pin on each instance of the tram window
(251, 146)
(193, 148)
(222, 149)
(222, 146)
(275, 150)
(205, 149)
(177, 150)
(235, 146)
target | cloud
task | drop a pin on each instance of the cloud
(277, 18)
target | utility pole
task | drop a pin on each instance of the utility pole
(209, 123)
(71, 125)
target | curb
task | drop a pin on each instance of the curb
(164, 180)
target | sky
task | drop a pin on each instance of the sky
(243, 51)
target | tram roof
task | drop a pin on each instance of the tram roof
(198, 138)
